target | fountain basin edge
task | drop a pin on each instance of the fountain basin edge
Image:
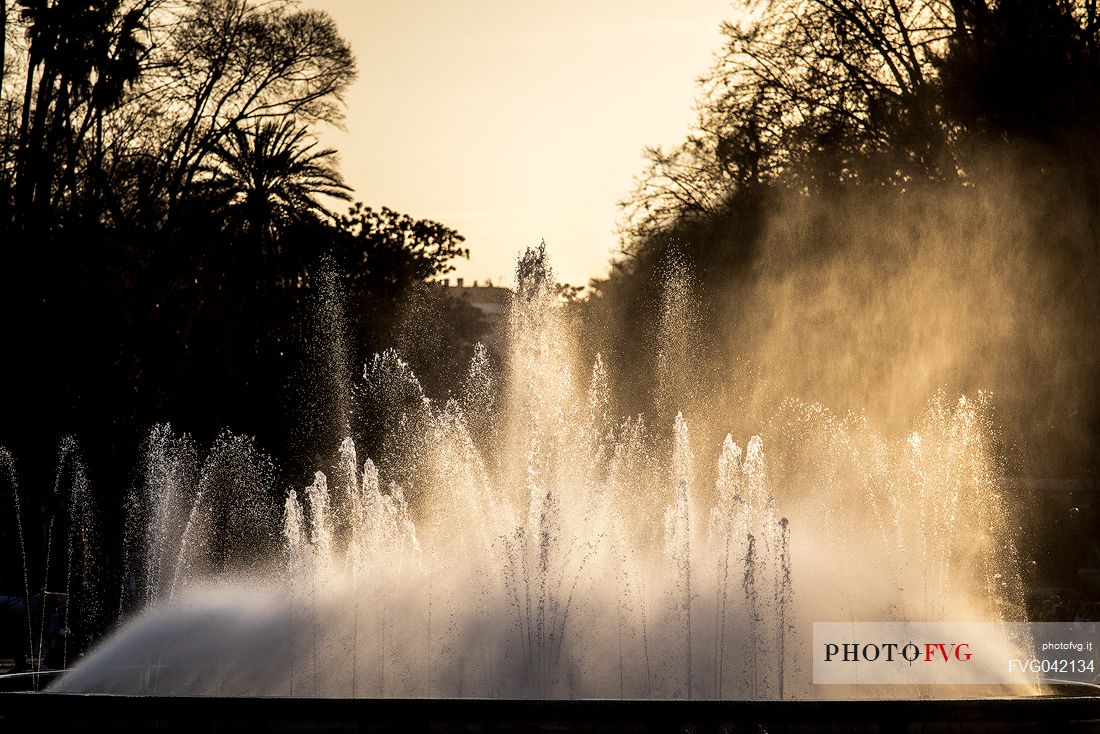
(98, 712)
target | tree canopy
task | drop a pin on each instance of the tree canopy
(847, 141)
(173, 233)
(810, 93)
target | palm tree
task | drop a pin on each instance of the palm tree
(267, 179)
(261, 186)
(85, 53)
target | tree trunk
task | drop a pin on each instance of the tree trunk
(24, 133)
(3, 38)
(36, 137)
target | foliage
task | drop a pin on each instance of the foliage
(267, 179)
(168, 250)
(385, 248)
(808, 94)
(813, 105)
(125, 102)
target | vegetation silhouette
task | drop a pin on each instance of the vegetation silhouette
(171, 232)
(911, 119)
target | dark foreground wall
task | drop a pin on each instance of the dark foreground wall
(67, 713)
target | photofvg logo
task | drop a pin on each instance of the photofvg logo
(853, 652)
(905, 653)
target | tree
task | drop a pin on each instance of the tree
(384, 250)
(81, 57)
(229, 64)
(165, 240)
(114, 109)
(917, 116)
(267, 179)
(122, 91)
(811, 93)
(1026, 69)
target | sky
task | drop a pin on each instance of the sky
(514, 121)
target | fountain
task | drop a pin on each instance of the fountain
(518, 541)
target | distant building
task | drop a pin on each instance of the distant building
(491, 301)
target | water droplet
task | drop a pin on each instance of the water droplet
(1074, 512)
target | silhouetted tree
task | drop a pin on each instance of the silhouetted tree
(232, 63)
(811, 93)
(80, 58)
(266, 179)
(384, 247)
(833, 100)
(121, 90)
(165, 229)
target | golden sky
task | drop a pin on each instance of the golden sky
(515, 121)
